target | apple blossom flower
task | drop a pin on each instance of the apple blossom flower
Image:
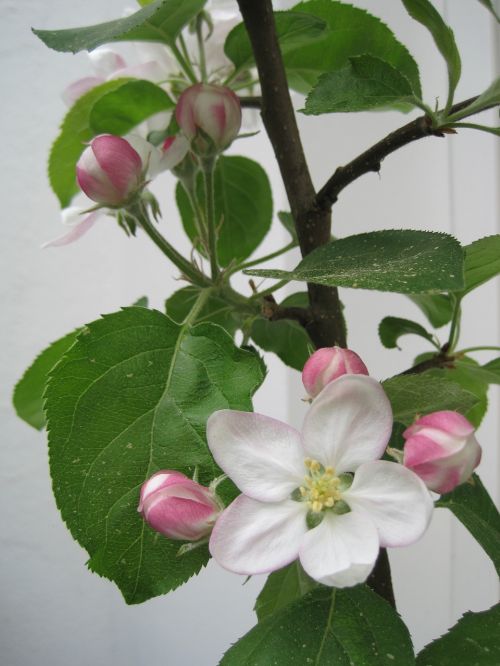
(321, 495)
(442, 450)
(177, 506)
(327, 364)
(105, 62)
(209, 116)
(72, 217)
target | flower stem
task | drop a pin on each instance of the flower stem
(185, 65)
(208, 181)
(455, 324)
(201, 49)
(474, 349)
(141, 217)
(270, 290)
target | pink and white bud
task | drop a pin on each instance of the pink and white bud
(328, 364)
(206, 110)
(177, 506)
(442, 450)
(109, 170)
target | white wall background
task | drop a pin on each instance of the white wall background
(53, 611)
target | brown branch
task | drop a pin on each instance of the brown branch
(274, 312)
(312, 224)
(371, 159)
(441, 360)
(249, 102)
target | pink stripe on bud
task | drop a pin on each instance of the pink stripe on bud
(177, 506)
(328, 364)
(442, 450)
(109, 170)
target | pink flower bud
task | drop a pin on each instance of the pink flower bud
(327, 364)
(442, 450)
(109, 170)
(178, 507)
(215, 110)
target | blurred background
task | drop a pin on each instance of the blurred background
(53, 610)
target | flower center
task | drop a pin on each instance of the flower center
(321, 489)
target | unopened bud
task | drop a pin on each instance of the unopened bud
(110, 171)
(442, 450)
(328, 364)
(177, 506)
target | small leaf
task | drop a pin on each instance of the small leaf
(327, 627)
(482, 262)
(488, 98)
(286, 338)
(402, 261)
(69, 145)
(287, 221)
(472, 505)
(416, 395)
(392, 328)
(493, 367)
(281, 588)
(473, 641)
(489, 5)
(131, 397)
(351, 31)
(365, 83)
(119, 111)
(489, 373)
(215, 310)
(293, 29)
(28, 393)
(438, 308)
(243, 207)
(425, 13)
(159, 21)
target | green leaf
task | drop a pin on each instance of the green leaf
(69, 145)
(215, 310)
(281, 588)
(488, 98)
(286, 338)
(473, 641)
(292, 28)
(438, 308)
(482, 262)
(131, 397)
(393, 260)
(243, 207)
(489, 373)
(28, 393)
(287, 221)
(416, 395)
(160, 21)
(392, 328)
(425, 13)
(493, 368)
(327, 627)
(489, 5)
(351, 32)
(365, 83)
(119, 111)
(474, 508)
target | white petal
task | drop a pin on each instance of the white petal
(76, 231)
(253, 537)
(348, 423)
(341, 551)
(394, 498)
(261, 455)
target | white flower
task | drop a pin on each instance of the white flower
(322, 496)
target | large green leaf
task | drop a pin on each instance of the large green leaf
(438, 308)
(243, 207)
(119, 111)
(132, 396)
(286, 338)
(482, 262)
(292, 28)
(327, 627)
(473, 641)
(416, 395)
(215, 310)
(160, 21)
(351, 32)
(28, 394)
(393, 260)
(76, 131)
(425, 13)
(472, 505)
(392, 328)
(281, 588)
(363, 84)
